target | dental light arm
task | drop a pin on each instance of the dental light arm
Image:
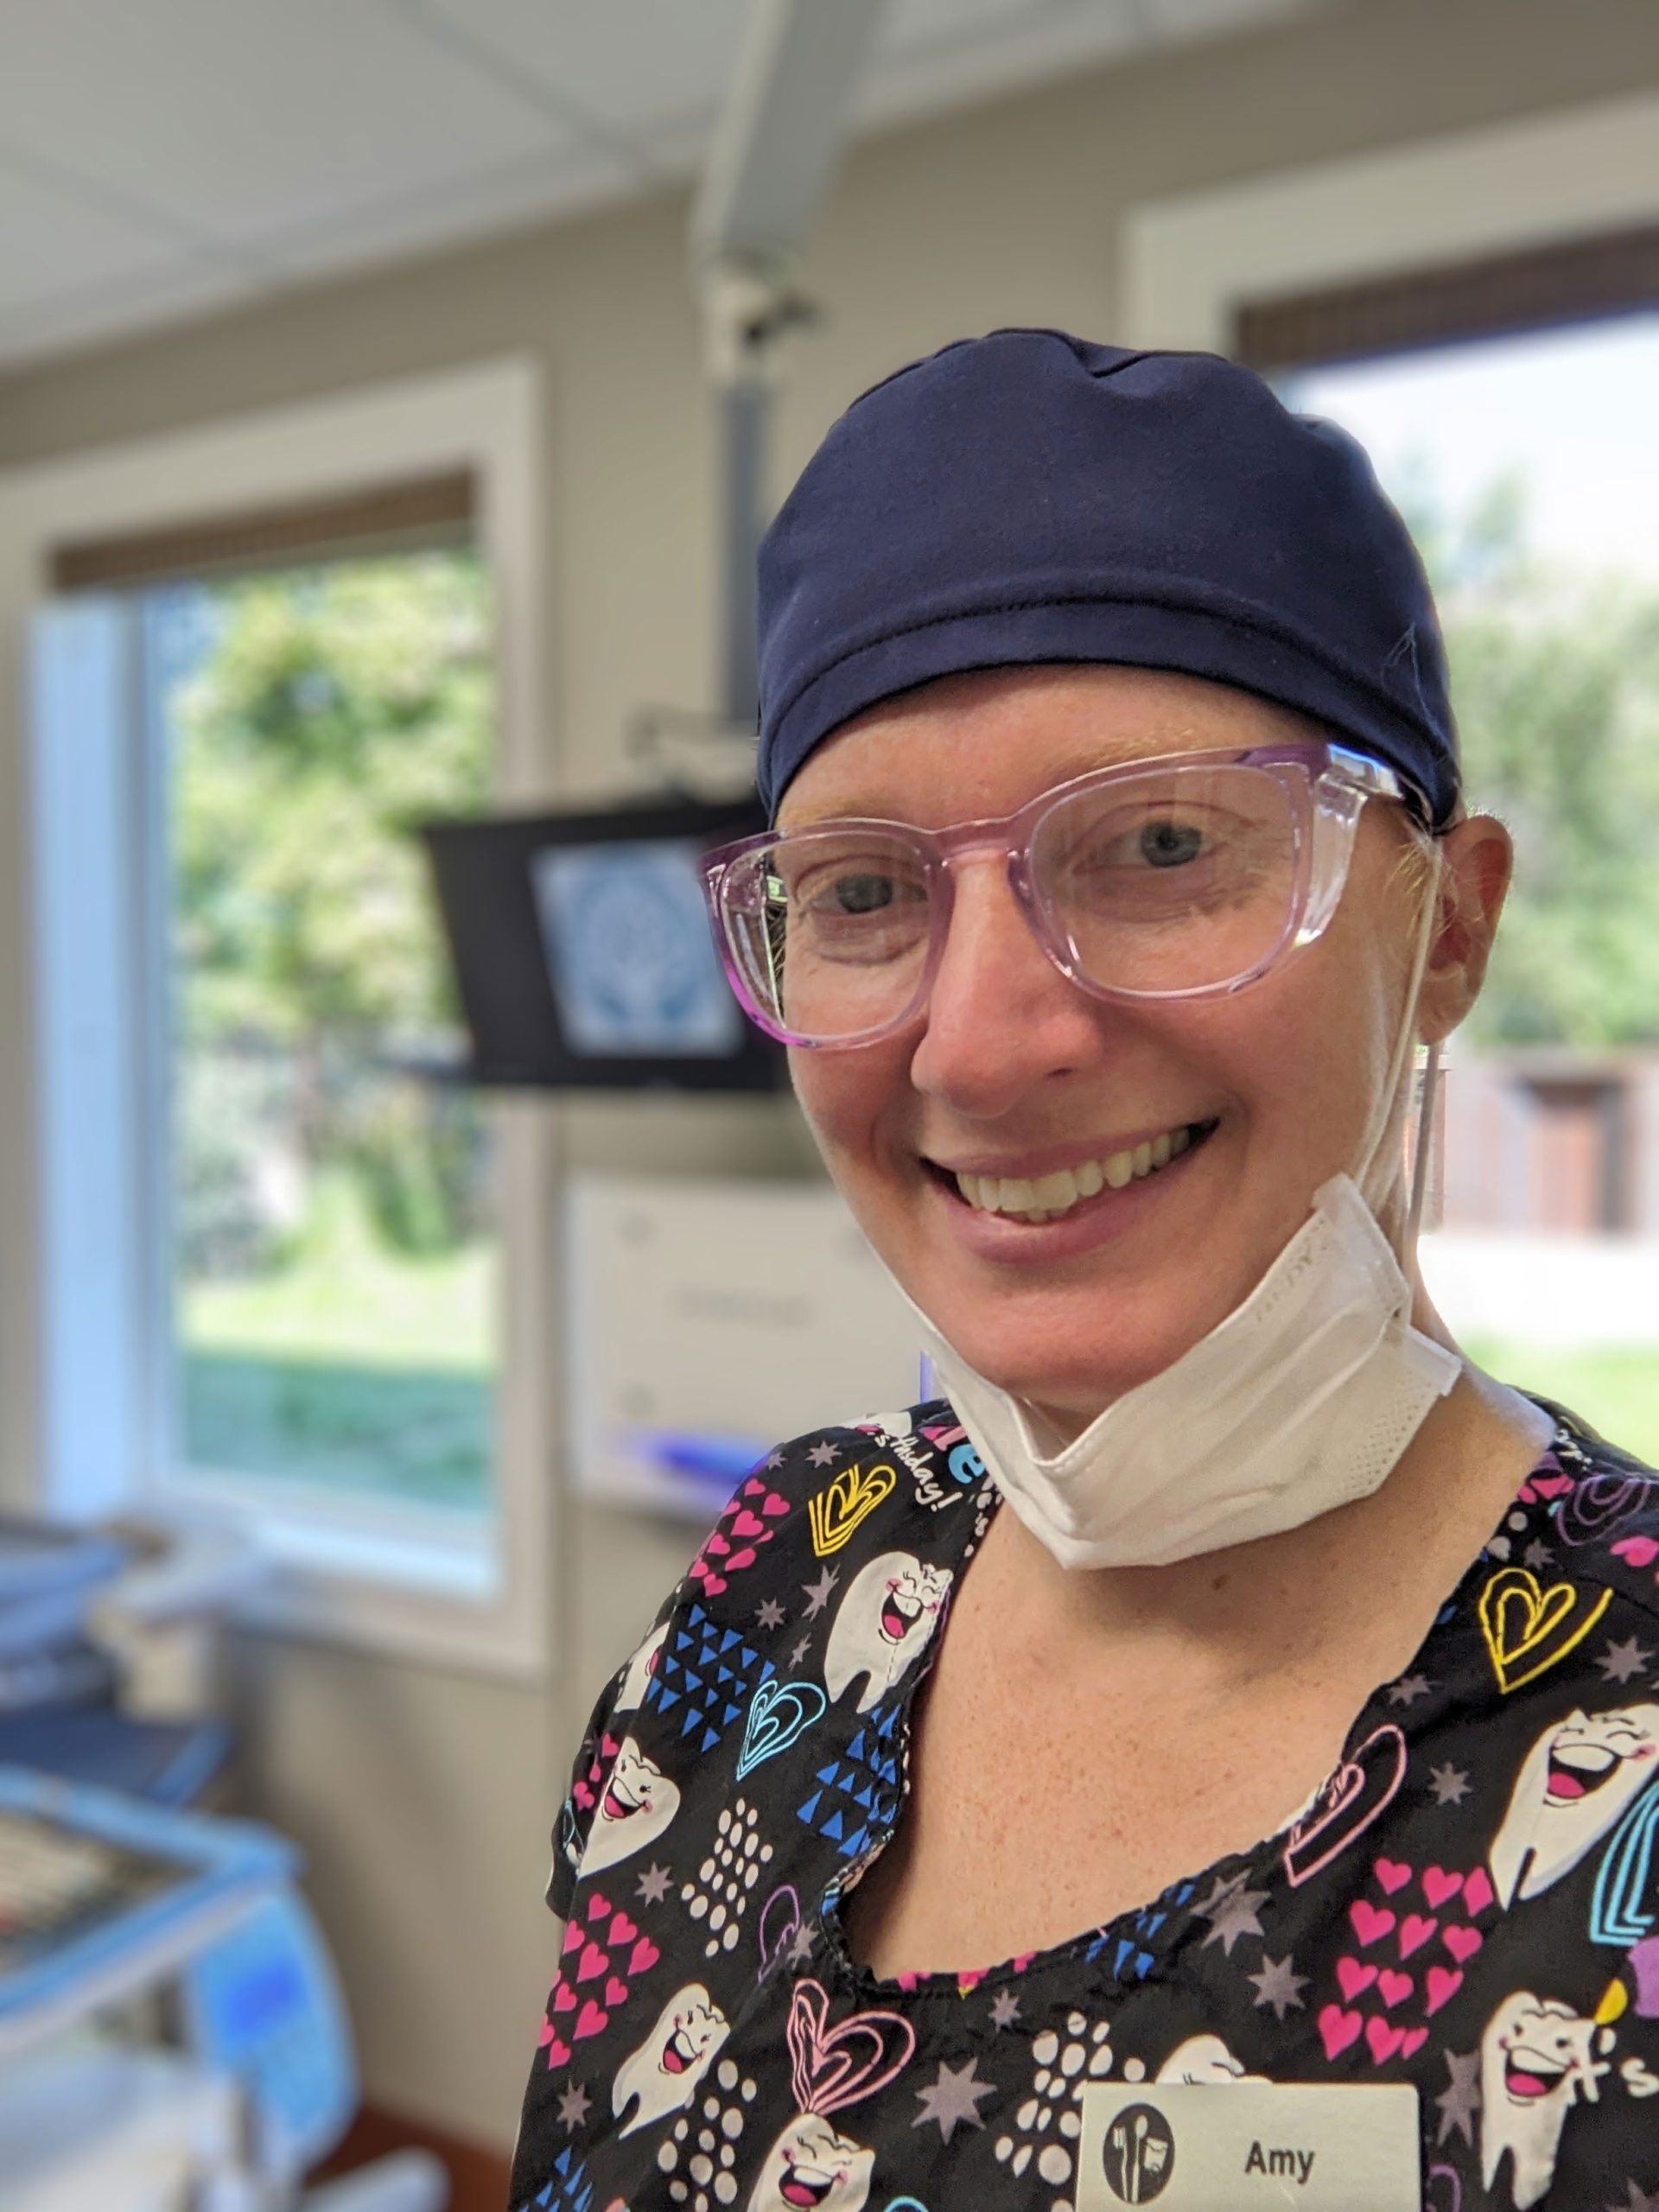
(771, 162)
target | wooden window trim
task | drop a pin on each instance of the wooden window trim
(437, 510)
(1499, 296)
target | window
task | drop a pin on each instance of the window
(326, 1248)
(1439, 299)
(284, 1267)
(1528, 467)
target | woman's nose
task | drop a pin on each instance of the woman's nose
(1000, 1018)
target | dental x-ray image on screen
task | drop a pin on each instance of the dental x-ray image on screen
(582, 951)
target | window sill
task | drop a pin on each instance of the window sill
(371, 1576)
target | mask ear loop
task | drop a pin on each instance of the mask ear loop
(1423, 1146)
(1383, 1113)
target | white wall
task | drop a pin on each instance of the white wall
(424, 1798)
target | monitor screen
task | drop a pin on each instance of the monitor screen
(584, 953)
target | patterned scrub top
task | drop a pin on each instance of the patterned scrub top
(1469, 1905)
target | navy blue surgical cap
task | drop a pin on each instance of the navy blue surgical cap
(1027, 497)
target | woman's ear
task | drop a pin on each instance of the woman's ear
(1477, 858)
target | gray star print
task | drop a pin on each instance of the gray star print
(769, 1613)
(652, 1885)
(953, 2100)
(1279, 1985)
(817, 1593)
(1638, 2201)
(772, 1461)
(800, 1945)
(1230, 1909)
(573, 2105)
(1005, 2009)
(1538, 1555)
(799, 1651)
(824, 1455)
(1408, 1689)
(1623, 1662)
(1460, 2101)
(1450, 1784)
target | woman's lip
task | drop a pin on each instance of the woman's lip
(1028, 1165)
(1081, 1228)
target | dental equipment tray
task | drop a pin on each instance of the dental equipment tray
(102, 1896)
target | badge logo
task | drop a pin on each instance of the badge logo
(1138, 2154)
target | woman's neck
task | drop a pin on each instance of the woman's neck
(1395, 1554)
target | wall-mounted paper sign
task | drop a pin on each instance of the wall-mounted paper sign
(711, 1320)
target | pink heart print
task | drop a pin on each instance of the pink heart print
(592, 1961)
(591, 2021)
(1462, 1943)
(1415, 1930)
(1478, 1893)
(1354, 1977)
(1443, 1986)
(1337, 2030)
(1641, 1551)
(1393, 1987)
(1349, 1800)
(643, 1956)
(1391, 1874)
(1371, 1921)
(1439, 1886)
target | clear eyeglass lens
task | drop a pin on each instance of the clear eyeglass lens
(831, 931)
(1181, 880)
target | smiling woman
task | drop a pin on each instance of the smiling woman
(1224, 1681)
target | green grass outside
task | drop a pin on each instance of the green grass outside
(1614, 1386)
(352, 1367)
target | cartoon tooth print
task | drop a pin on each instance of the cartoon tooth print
(664, 2073)
(1578, 1778)
(891, 1609)
(810, 2165)
(641, 1667)
(636, 1804)
(1204, 2058)
(813, 2165)
(1537, 2061)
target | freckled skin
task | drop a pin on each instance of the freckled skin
(1009, 1056)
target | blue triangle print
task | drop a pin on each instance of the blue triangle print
(732, 1636)
(808, 1812)
(855, 1749)
(832, 1827)
(731, 1711)
(665, 1697)
(710, 1738)
(826, 1774)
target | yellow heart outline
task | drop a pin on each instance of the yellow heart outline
(849, 1497)
(1545, 1612)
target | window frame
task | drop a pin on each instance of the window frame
(470, 1590)
(1190, 263)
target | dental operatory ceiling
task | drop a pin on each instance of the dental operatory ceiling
(162, 158)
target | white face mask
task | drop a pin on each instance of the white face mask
(1302, 1399)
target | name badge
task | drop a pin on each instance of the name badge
(1229, 2146)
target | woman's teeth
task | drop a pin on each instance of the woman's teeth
(1043, 1198)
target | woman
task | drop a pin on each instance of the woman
(1005, 1767)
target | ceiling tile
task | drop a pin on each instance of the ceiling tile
(241, 117)
(53, 242)
(625, 63)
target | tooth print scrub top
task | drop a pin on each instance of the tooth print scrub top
(1471, 1905)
